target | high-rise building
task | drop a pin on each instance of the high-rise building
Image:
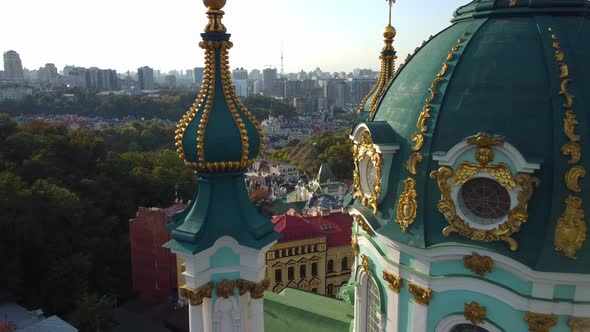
(145, 77)
(13, 68)
(198, 74)
(240, 74)
(48, 73)
(171, 81)
(269, 81)
(255, 75)
(240, 80)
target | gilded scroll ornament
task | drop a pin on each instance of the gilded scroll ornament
(500, 172)
(569, 126)
(418, 139)
(572, 178)
(574, 150)
(569, 98)
(503, 231)
(570, 232)
(225, 288)
(394, 282)
(512, 3)
(196, 296)
(421, 295)
(366, 149)
(407, 205)
(256, 289)
(540, 322)
(475, 313)
(363, 224)
(579, 324)
(480, 265)
(366, 263)
(413, 162)
(424, 115)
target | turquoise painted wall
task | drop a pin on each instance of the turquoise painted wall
(407, 260)
(224, 256)
(497, 275)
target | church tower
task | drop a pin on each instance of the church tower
(220, 235)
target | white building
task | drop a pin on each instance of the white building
(13, 68)
(14, 92)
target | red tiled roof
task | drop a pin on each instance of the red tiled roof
(337, 228)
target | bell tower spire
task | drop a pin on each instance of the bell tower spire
(220, 236)
(387, 57)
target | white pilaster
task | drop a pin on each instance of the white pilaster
(207, 315)
(195, 318)
(245, 312)
(420, 313)
(392, 315)
(257, 317)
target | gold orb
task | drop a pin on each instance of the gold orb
(214, 4)
(389, 32)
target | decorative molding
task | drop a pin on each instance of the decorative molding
(395, 283)
(421, 295)
(407, 205)
(475, 313)
(449, 322)
(448, 178)
(195, 296)
(361, 150)
(366, 264)
(482, 286)
(540, 322)
(480, 265)
(256, 289)
(570, 232)
(363, 224)
(579, 324)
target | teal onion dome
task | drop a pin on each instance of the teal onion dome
(499, 102)
(218, 133)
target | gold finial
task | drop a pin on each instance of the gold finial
(390, 32)
(215, 15)
(214, 4)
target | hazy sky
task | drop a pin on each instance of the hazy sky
(336, 35)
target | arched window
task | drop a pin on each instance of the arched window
(467, 328)
(344, 263)
(330, 266)
(373, 303)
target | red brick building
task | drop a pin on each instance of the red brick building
(153, 266)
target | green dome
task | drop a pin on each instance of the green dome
(506, 68)
(218, 133)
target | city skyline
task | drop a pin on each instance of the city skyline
(325, 34)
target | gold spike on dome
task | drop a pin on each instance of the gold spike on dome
(387, 72)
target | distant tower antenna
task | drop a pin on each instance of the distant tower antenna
(282, 68)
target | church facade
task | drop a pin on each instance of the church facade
(470, 196)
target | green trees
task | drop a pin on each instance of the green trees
(309, 154)
(65, 200)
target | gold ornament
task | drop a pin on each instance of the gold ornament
(407, 205)
(540, 322)
(574, 150)
(413, 162)
(572, 177)
(366, 264)
(421, 295)
(361, 222)
(480, 265)
(365, 149)
(503, 231)
(214, 4)
(395, 283)
(475, 313)
(512, 3)
(196, 296)
(569, 126)
(570, 232)
(225, 288)
(579, 324)
(256, 289)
